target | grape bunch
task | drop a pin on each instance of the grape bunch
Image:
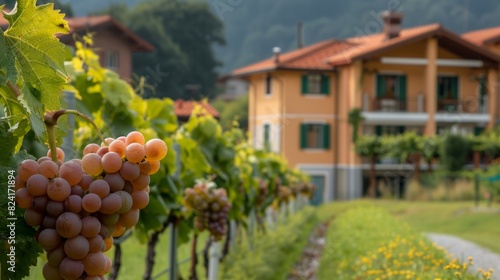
(211, 207)
(262, 192)
(81, 204)
(284, 194)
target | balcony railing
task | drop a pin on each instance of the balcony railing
(381, 104)
(473, 105)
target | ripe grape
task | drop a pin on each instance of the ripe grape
(56, 256)
(140, 199)
(91, 202)
(109, 219)
(129, 219)
(77, 247)
(145, 167)
(115, 181)
(127, 201)
(130, 171)
(42, 159)
(85, 182)
(58, 189)
(33, 218)
(49, 169)
(118, 147)
(141, 182)
(50, 272)
(102, 151)
(90, 227)
(135, 137)
(105, 232)
(49, 239)
(68, 225)
(95, 263)
(111, 162)
(54, 208)
(76, 190)
(72, 172)
(39, 203)
(60, 154)
(18, 184)
(155, 166)
(99, 187)
(107, 141)
(91, 164)
(23, 198)
(111, 204)
(118, 230)
(135, 152)
(73, 204)
(37, 185)
(27, 168)
(108, 243)
(91, 148)
(49, 222)
(156, 149)
(71, 268)
(96, 244)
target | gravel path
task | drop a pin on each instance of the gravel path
(462, 249)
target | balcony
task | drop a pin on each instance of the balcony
(392, 111)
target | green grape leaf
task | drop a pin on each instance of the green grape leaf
(116, 90)
(30, 38)
(8, 71)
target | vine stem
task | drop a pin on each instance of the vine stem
(51, 133)
(15, 89)
(51, 120)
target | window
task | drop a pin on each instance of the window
(315, 84)
(447, 88)
(315, 136)
(269, 85)
(111, 61)
(391, 92)
(447, 93)
(267, 131)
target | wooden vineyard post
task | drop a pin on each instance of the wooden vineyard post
(214, 261)
(172, 254)
(234, 228)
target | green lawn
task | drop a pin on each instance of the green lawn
(461, 219)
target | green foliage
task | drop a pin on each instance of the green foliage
(65, 8)
(355, 119)
(275, 253)
(453, 152)
(370, 146)
(235, 110)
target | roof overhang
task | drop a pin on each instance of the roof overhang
(446, 39)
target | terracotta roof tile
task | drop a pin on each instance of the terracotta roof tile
(368, 44)
(184, 108)
(483, 36)
(305, 58)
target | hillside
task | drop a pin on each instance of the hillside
(253, 28)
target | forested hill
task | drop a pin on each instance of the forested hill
(253, 27)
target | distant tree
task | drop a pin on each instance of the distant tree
(184, 34)
(236, 110)
(65, 8)
(370, 147)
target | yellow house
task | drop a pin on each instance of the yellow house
(424, 79)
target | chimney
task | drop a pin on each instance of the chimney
(300, 36)
(276, 51)
(392, 23)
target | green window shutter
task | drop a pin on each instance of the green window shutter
(326, 136)
(325, 84)
(381, 88)
(454, 87)
(266, 133)
(401, 129)
(305, 86)
(402, 88)
(303, 136)
(378, 130)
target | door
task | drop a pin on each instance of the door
(319, 182)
